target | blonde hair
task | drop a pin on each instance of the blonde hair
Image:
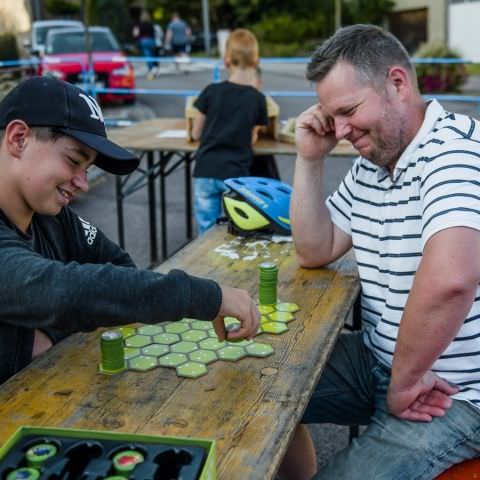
(241, 49)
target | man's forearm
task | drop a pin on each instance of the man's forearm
(432, 317)
(311, 223)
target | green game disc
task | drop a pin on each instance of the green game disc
(126, 460)
(114, 477)
(24, 474)
(37, 454)
(233, 327)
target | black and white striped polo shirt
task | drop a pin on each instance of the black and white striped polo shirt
(435, 185)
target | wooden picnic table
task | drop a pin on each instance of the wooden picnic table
(164, 154)
(250, 407)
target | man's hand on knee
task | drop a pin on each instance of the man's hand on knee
(427, 398)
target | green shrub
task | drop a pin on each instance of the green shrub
(295, 49)
(439, 77)
(8, 47)
(63, 7)
(285, 29)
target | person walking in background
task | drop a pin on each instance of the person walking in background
(177, 38)
(158, 31)
(230, 114)
(144, 34)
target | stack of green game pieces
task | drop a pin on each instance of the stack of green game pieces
(267, 287)
(111, 346)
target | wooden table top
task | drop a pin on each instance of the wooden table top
(250, 406)
(146, 136)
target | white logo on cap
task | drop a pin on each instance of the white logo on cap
(95, 111)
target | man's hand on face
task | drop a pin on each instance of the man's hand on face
(427, 398)
(237, 303)
(315, 134)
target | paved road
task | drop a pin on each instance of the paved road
(98, 206)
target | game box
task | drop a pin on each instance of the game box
(47, 453)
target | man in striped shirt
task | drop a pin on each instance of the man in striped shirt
(410, 208)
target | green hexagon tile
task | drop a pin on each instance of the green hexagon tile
(190, 346)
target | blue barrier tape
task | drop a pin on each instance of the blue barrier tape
(219, 62)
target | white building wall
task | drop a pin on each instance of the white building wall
(436, 22)
(463, 29)
(14, 16)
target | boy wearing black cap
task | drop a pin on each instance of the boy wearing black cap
(59, 274)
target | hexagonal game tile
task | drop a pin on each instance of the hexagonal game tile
(231, 353)
(287, 307)
(172, 359)
(240, 343)
(150, 329)
(281, 317)
(259, 350)
(201, 325)
(184, 347)
(166, 338)
(265, 309)
(203, 356)
(156, 350)
(273, 327)
(188, 321)
(211, 333)
(177, 327)
(194, 335)
(211, 344)
(142, 363)
(127, 331)
(191, 370)
(130, 352)
(138, 341)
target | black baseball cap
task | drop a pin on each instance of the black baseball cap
(49, 102)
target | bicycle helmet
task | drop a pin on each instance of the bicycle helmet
(257, 205)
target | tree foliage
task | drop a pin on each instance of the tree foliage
(113, 14)
(63, 7)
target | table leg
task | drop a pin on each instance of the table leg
(188, 194)
(152, 210)
(163, 205)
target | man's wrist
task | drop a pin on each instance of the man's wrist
(402, 381)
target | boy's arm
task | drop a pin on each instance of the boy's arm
(198, 124)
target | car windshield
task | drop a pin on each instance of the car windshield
(41, 32)
(74, 42)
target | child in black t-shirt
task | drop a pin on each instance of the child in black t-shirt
(231, 112)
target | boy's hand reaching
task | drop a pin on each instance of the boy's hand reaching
(315, 134)
(237, 303)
